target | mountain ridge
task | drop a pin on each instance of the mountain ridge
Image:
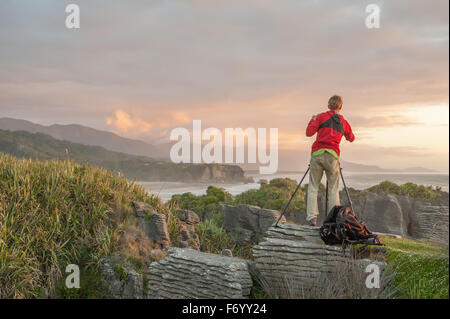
(81, 134)
(356, 167)
(85, 135)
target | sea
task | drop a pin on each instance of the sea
(356, 180)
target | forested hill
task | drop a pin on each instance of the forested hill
(44, 147)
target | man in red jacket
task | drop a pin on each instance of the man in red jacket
(330, 127)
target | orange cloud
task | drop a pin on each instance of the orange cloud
(180, 117)
(130, 125)
(125, 123)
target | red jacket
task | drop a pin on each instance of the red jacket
(330, 127)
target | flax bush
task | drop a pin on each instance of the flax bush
(54, 213)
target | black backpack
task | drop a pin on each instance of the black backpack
(342, 227)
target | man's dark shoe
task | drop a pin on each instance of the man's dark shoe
(313, 222)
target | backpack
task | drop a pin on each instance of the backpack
(342, 227)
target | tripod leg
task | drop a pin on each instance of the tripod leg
(346, 190)
(290, 199)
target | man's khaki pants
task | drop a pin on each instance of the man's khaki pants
(330, 164)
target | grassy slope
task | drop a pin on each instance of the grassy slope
(421, 268)
(53, 214)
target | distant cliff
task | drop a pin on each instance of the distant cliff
(44, 147)
(167, 171)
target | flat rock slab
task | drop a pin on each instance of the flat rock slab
(187, 273)
(295, 232)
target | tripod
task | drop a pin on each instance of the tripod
(326, 194)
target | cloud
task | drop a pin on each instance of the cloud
(186, 52)
(147, 66)
(384, 121)
(180, 118)
(391, 151)
(134, 125)
(123, 122)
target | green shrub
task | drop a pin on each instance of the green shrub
(120, 272)
(214, 238)
(275, 195)
(251, 197)
(202, 205)
(407, 189)
(220, 194)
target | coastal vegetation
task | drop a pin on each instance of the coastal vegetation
(408, 189)
(54, 213)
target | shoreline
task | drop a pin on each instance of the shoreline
(359, 181)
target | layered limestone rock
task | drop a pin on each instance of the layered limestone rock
(432, 220)
(394, 214)
(152, 223)
(187, 273)
(293, 257)
(295, 232)
(404, 216)
(247, 224)
(188, 236)
(122, 282)
(300, 262)
(187, 216)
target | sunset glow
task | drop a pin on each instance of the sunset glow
(254, 64)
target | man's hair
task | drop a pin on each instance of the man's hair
(335, 102)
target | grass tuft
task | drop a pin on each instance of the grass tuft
(421, 267)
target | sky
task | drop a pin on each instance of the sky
(142, 68)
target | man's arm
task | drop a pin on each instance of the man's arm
(348, 132)
(312, 127)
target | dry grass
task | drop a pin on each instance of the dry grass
(134, 245)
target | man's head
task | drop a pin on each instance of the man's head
(335, 103)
